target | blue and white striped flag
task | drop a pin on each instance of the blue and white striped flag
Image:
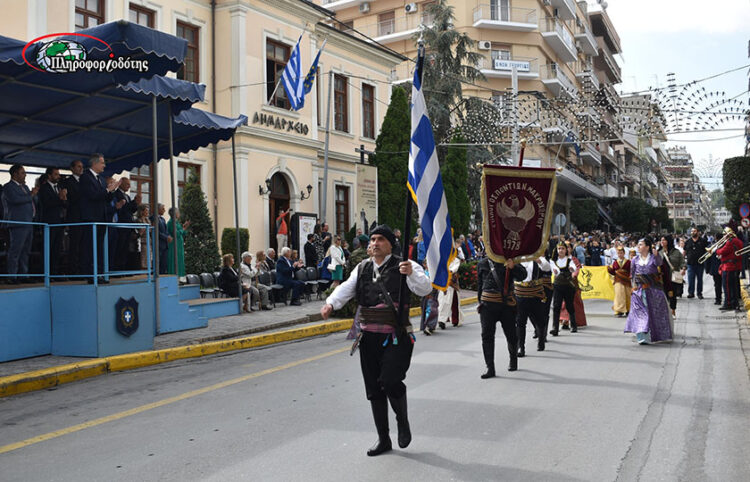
(292, 79)
(426, 186)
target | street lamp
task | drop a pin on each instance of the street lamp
(262, 191)
(302, 196)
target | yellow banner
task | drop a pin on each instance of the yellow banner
(595, 282)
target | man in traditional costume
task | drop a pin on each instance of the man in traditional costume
(620, 270)
(386, 343)
(531, 299)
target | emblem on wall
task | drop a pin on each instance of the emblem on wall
(126, 316)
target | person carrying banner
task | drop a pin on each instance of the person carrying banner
(620, 270)
(531, 300)
(497, 302)
(385, 344)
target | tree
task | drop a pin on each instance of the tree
(631, 213)
(392, 160)
(229, 242)
(453, 172)
(201, 251)
(717, 199)
(736, 184)
(584, 214)
(450, 61)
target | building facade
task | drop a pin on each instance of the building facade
(238, 49)
(558, 48)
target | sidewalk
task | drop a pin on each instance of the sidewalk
(223, 334)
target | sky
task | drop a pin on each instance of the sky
(694, 39)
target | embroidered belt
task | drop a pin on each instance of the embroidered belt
(534, 291)
(378, 316)
(494, 297)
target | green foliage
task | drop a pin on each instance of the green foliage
(736, 184)
(682, 225)
(229, 242)
(717, 199)
(467, 275)
(450, 60)
(632, 214)
(453, 172)
(661, 216)
(584, 214)
(392, 160)
(201, 251)
(349, 235)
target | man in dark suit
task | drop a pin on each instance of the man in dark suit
(18, 206)
(311, 255)
(73, 215)
(164, 240)
(285, 276)
(96, 195)
(124, 215)
(53, 199)
(271, 258)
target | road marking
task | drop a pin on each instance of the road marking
(161, 403)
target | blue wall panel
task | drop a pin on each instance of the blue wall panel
(25, 326)
(111, 342)
(74, 330)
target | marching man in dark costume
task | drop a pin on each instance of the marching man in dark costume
(385, 344)
(532, 300)
(497, 302)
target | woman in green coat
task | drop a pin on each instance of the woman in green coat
(174, 215)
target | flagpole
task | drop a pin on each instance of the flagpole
(406, 238)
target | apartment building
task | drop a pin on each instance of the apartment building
(238, 49)
(685, 197)
(558, 48)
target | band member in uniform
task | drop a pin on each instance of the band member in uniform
(498, 303)
(531, 299)
(620, 269)
(564, 289)
(385, 344)
(730, 271)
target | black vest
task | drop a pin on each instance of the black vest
(368, 293)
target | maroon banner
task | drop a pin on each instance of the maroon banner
(517, 206)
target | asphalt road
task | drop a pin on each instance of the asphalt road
(594, 406)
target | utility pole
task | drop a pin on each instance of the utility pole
(514, 152)
(325, 152)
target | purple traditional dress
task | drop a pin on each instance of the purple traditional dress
(649, 310)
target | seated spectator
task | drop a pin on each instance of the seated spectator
(261, 263)
(249, 280)
(229, 282)
(271, 258)
(285, 276)
(295, 259)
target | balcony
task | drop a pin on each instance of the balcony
(498, 68)
(573, 182)
(586, 39)
(335, 5)
(606, 62)
(585, 73)
(608, 153)
(558, 82)
(559, 39)
(591, 154)
(399, 28)
(566, 9)
(499, 18)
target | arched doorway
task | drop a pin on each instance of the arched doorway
(278, 199)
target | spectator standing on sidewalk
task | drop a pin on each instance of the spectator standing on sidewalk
(695, 247)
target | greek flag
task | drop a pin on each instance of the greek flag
(426, 186)
(292, 79)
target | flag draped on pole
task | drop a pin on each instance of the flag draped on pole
(312, 73)
(426, 186)
(292, 79)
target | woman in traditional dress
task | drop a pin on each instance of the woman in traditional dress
(649, 310)
(577, 300)
(564, 288)
(620, 269)
(174, 217)
(675, 261)
(449, 305)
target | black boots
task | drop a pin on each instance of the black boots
(380, 415)
(490, 373)
(573, 326)
(402, 420)
(489, 359)
(513, 352)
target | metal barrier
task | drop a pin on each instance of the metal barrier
(106, 273)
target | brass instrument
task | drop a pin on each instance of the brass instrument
(712, 249)
(742, 251)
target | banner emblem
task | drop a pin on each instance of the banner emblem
(126, 316)
(517, 207)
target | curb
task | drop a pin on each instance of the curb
(745, 292)
(51, 377)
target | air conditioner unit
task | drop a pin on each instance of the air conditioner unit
(484, 45)
(410, 7)
(364, 7)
